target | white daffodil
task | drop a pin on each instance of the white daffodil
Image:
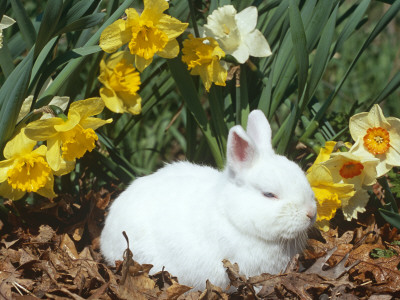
(236, 32)
(376, 136)
(4, 23)
(349, 168)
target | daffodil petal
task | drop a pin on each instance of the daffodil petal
(241, 53)
(393, 157)
(65, 167)
(171, 50)
(41, 150)
(5, 165)
(25, 108)
(41, 130)
(142, 63)
(5, 22)
(394, 132)
(94, 123)
(88, 107)
(153, 10)
(171, 27)
(358, 125)
(19, 145)
(8, 192)
(53, 154)
(47, 191)
(246, 20)
(114, 36)
(355, 205)
(111, 100)
(73, 120)
(134, 105)
(376, 117)
(257, 44)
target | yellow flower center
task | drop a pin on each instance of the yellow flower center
(29, 174)
(200, 51)
(77, 141)
(327, 203)
(125, 78)
(226, 29)
(147, 40)
(351, 169)
(377, 140)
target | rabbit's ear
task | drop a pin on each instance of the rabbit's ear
(241, 151)
(259, 130)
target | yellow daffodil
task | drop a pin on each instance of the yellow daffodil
(69, 138)
(4, 23)
(329, 195)
(326, 151)
(236, 32)
(121, 83)
(202, 56)
(25, 169)
(146, 35)
(377, 136)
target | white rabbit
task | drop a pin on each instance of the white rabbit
(188, 218)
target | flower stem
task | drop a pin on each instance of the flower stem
(193, 17)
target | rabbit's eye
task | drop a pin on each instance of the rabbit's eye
(269, 195)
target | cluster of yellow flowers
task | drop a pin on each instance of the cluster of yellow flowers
(154, 33)
(341, 179)
(30, 165)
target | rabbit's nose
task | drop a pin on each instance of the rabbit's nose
(311, 213)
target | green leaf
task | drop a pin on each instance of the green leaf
(6, 61)
(299, 45)
(24, 23)
(389, 89)
(51, 17)
(391, 217)
(351, 24)
(321, 58)
(188, 91)
(76, 12)
(83, 23)
(383, 253)
(12, 95)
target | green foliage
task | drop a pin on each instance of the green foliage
(394, 179)
(386, 253)
(330, 59)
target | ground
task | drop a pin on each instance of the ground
(53, 253)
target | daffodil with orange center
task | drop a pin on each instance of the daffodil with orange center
(25, 169)
(69, 138)
(376, 136)
(121, 83)
(347, 167)
(203, 57)
(153, 32)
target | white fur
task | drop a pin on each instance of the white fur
(189, 218)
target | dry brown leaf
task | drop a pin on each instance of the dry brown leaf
(69, 246)
(212, 292)
(381, 272)
(46, 234)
